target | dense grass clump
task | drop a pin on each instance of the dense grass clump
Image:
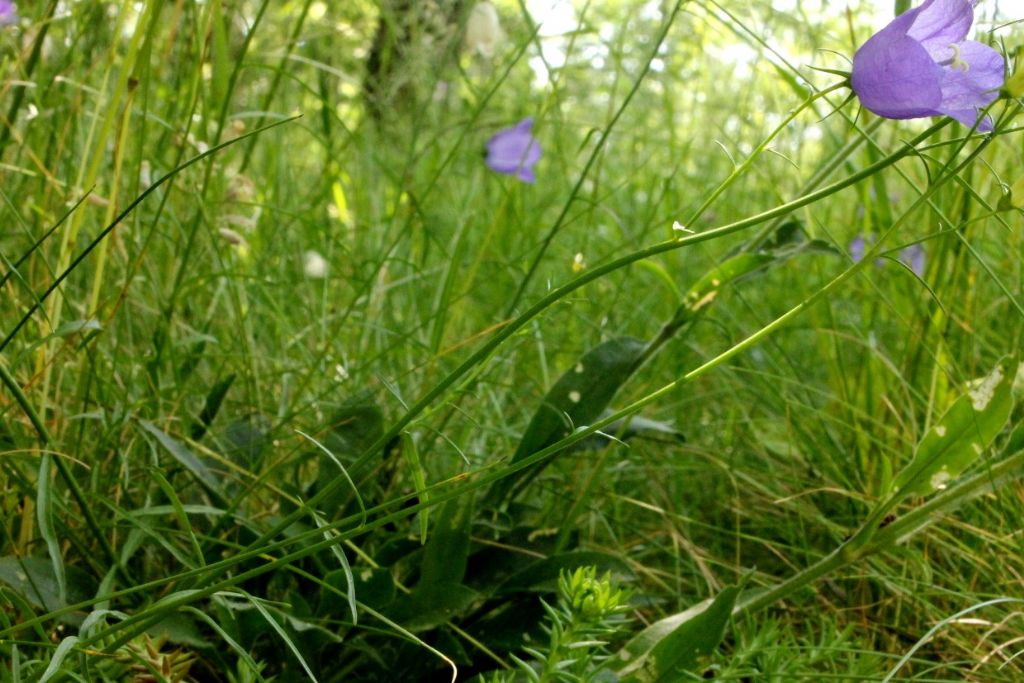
(299, 384)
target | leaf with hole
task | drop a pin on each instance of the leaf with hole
(667, 650)
(577, 398)
(961, 435)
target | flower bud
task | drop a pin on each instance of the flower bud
(483, 29)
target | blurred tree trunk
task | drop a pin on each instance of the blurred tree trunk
(414, 42)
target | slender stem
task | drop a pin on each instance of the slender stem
(605, 134)
(742, 168)
(124, 214)
(65, 473)
(882, 539)
(559, 293)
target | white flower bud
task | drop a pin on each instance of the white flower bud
(483, 29)
(314, 265)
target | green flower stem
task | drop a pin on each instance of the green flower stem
(882, 539)
(440, 493)
(598, 148)
(819, 176)
(742, 168)
(485, 351)
(76, 491)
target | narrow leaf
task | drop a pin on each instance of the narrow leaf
(188, 460)
(44, 515)
(74, 327)
(419, 480)
(59, 655)
(212, 406)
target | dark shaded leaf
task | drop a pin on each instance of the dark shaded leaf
(375, 588)
(666, 650)
(245, 439)
(33, 579)
(542, 576)
(577, 398)
(432, 605)
(212, 406)
(447, 551)
(189, 461)
(181, 629)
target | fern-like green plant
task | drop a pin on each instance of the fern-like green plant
(588, 613)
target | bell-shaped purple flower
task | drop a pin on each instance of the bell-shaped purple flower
(857, 247)
(913, 257)
(8, 12)
(922, 65)
(514, 151)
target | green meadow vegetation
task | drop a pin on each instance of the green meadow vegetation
(296, 386)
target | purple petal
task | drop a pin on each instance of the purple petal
(941, 23)
(894, 76)
(514, 151)
(857, 247)
(8, 13)
(969, 117)
(913, 256)
(965, 89)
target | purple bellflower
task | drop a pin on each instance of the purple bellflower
(8, 13)
(922, 65)
(514, 151)
(913, 256)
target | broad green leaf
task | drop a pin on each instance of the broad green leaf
(961, 435)
(375, 588)
(282, 634)
(577, 398)
(580, 396)
(189, 461)
(353, 428)
(245, 440)
(667, 649)
(33, 578)
(432, 605)
(181, 629)
(447, 552)
(254, 668)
